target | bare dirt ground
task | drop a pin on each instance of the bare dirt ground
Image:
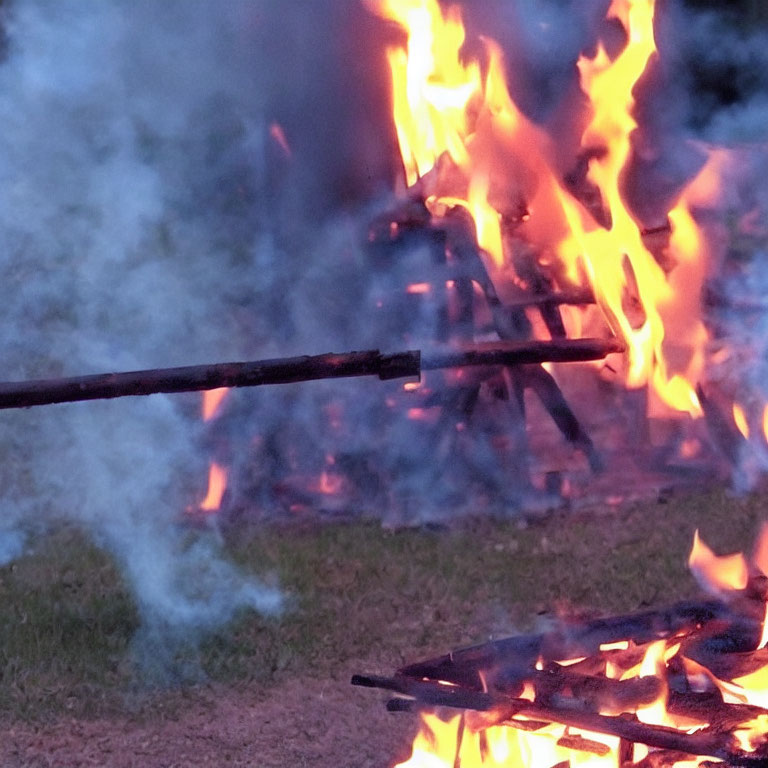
(297, 723)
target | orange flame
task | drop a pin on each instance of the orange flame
(623, 273)
(212, 402)
(217, 484)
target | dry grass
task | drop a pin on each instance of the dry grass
(359, 594)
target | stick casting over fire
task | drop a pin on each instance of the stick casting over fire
(196, 378)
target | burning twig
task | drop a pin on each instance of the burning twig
(197, 378)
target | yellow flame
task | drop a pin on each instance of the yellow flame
(620, 268)
(717, 574)
(740, 419)
(431, 87)
(464, 740)
(443, 107)
(438, 745)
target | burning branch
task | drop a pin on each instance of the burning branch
(197, 378)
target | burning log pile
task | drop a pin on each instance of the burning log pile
(498, 235)
(508, 233)
(663, 687)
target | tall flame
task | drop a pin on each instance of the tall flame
(617, 263)
(431, 88)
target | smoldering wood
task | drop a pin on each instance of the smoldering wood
(712, 709)
(553, 298)
(531, 272)
(409, 364)
(580, 744)
(720, 745)
(728, 666)
(543, 384)
(662, 758)
(626, 752)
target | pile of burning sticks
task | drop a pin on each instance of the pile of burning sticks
(655, 688)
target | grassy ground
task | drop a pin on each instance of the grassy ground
(358, 593)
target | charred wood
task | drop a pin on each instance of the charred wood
(553, 298)
(429, 692)
(520, 353)
(521, 652)
(594, 691)
(722, 430)
(580, 744)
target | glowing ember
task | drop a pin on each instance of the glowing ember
(278, 134)
(217, 485)
(329, 483)
(765, 422)
(418, 288)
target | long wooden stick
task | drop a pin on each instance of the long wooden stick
(23, 394)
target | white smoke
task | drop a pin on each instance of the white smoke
(131, 153)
